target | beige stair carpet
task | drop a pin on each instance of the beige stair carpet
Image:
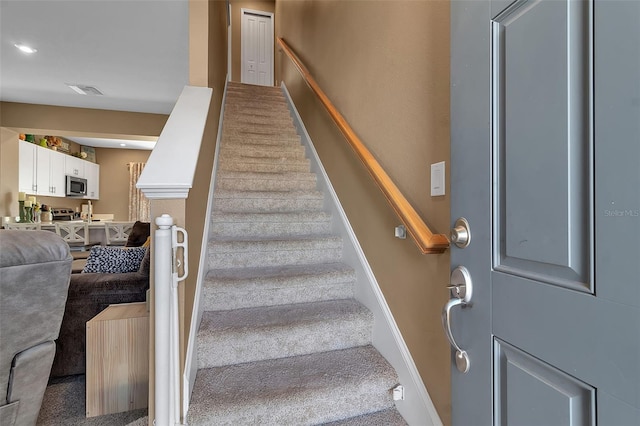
(282, 340)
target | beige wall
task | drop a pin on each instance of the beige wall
(67, 121)
(236, 25)
(8, 172)
(114, 180)
(196, 202)
(385, 65)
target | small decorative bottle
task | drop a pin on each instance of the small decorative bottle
(22, 212)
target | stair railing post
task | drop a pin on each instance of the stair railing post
(163, 270)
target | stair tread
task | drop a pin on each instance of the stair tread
(268, 332)
(265, 317)
(270, 217)
(225, 289)
(268, 274)
(231, 174)
(308, 194)
(389, 417)
(254, 243)
(305, 389)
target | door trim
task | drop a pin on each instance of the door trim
(243, 12)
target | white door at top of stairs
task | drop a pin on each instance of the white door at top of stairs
(257, 47)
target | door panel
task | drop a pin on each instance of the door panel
(264, 64)
(542, 131)
(521, 379)
(575, 332)
(545, 149)
(251, 51)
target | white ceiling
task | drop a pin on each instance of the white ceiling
(113, 143)
(134, 51)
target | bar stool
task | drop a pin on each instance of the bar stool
(76, 235)
(23, 226)
(117, 233)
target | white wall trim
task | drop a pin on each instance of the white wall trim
(166, 174)
(270, 15)
(191, 360)
(417, 408)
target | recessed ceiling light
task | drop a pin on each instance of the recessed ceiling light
(123, 144)
(25, 49)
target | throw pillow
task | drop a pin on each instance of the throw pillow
(108, 259)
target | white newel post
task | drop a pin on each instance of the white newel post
(163, 257)
(167, 333)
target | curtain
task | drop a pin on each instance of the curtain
(139, 206)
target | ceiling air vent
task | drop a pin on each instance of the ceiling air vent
(85, 90)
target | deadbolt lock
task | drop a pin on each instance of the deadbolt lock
(461, 233)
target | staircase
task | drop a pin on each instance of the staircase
(282, 340)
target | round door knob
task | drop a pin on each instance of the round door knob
(460, 234)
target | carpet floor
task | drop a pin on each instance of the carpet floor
(64, 405)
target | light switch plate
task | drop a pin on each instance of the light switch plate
(437, 179)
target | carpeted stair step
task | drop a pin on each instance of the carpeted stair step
(255, 152)
(276, 252)
(272, 91)
(260, 165)
(279, 113)
(248, 86)
(262, 333)
(245, 181)
(232, 119)
(233, 139)
(261, 132)
(303, 390)
(252, 287)
(235, 96)
(279, 105)
(261, 151)
(245, 109)
(389, 417)
(256, 201)
(269, 224)
(233, 92)
(275, 125)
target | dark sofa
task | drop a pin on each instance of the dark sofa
(89, 294)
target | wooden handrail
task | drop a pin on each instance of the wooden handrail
(427, 241)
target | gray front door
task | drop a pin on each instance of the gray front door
(545, 151)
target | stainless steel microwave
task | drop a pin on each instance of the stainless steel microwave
(76, 187)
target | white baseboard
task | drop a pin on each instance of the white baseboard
(417, 408)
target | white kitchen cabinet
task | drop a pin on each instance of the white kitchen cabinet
(40, 170)
(74, 166)
(27, 167)
(92, 174)
(56, 169)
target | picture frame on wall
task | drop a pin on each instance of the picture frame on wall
(90, 151)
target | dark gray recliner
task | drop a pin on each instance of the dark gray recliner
(35, 268)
